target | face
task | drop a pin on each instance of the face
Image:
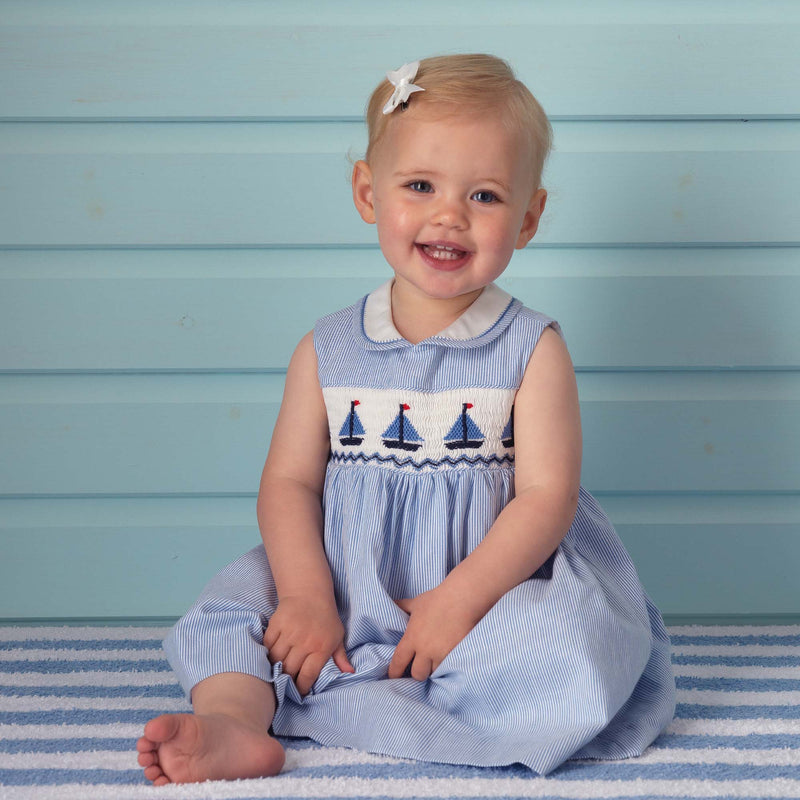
(452, 199)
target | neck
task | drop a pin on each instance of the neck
(418, 317)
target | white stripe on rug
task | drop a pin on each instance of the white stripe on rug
(83, 633)
(734, 630)
(417, 787)
(690, 727)
(88, 678)
(328, 757)
(721, 650)
(158, 705)
(81, 760)
(111, 730)
(125, 760)
(711, 697)
(788, 757)
(724, 671)
(24, 654)
(733, 727)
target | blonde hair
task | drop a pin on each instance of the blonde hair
(468, 84)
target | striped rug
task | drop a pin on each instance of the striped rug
(73, 701)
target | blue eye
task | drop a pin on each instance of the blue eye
(420, 186)
(484, 196)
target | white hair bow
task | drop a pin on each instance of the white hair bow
(401, 79)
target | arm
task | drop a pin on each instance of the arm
(547, 435)
(305, 630)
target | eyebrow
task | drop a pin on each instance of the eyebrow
(415, 173)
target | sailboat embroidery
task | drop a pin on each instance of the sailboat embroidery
(401, 434)
(507, 437)
(465, 433)
(352, 431)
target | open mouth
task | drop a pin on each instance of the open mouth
(444, 254)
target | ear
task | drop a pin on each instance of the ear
(530, 222)
(362, 191)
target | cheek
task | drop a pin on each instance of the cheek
(500, 238)
(394, 224)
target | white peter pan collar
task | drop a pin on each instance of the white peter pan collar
(481, 316)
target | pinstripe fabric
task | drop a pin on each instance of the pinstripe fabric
(572, 663)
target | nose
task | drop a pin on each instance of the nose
(450, 212)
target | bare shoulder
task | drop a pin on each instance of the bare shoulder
(547, 423)
(302, 380)
(550, 366)
(300, 439)
(304, 358)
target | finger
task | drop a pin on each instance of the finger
(308, 673)
(421, 669)
(278, 651)
(406, 604)
(341, 660)
(293, 663)
(403, 654)
(271, 635)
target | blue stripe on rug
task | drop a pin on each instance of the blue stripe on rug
(165, 690)
(752, 741)
(737, 641)
(740, 684)
(699, 711)
(568, 772)
(614, 771)
(119, 745)
(79, 716)
(82, 644)
(60, 777)
(557, 794)
(56, 666)
(739, 661)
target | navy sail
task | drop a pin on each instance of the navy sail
(352, 431)
(464, 434)
(401, 434)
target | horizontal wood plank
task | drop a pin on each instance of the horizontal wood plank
(151, 557)
(255, 60)
(235, 322)
(646, 186)
(207, 434)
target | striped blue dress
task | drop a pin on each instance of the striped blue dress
(572, 663)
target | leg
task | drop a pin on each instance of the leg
(226, 738)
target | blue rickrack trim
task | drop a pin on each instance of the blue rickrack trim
(342, 458)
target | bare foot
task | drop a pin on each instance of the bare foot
(189, 748)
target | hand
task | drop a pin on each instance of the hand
(303, 633)
(438, 622)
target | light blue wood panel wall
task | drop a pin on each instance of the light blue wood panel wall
(175, 214)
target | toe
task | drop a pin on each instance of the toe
(156, 775)
(161, 729)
